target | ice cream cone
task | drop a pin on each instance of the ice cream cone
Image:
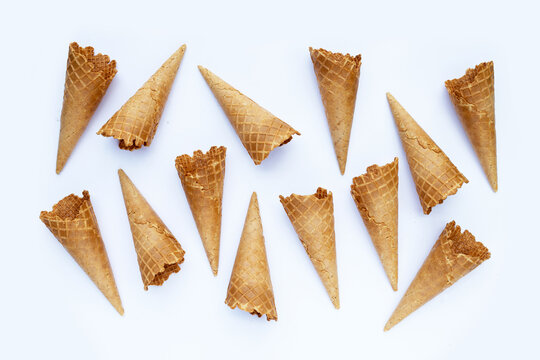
(337, 75)
(473, 97)
(158, 253)
(312, 217)
(136, 122)
(259, 130)
(376, 196)
(453, 256)
(202, 179)
(73, 223)
(434, 175)
(88, 77)
(250, 287)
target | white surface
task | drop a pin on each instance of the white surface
(50, 309)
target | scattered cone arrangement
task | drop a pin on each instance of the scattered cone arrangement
(73, 223)
(312, 217)
(250, 287)
(135, 124)
(88, 77)
(158, 253)
(453, 256)
(259, 130)
(434, 175)
(202, 179)
(473, 96)
(338, 75)
(376, 196)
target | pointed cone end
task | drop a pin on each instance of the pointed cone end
(60, 162)
(394, 285)
(391, 99)
(122, 175)
(119, 308)
(387, 327)
(214, 265)
(335, 301)
(494, 184)
(342, 165)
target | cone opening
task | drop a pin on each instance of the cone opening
(465, 243)
(375, 173)
(68, 208)
(336, 56)
(470, 77)
(189, 165)
(101, 63)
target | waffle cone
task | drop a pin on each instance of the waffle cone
(453, 256)
(338, 75)
(250, 287)
(434, 175)
(88, 77)
(202, 178)
(136, 122)
(473, 97)
(376, 196)
(158, 253)
(312, 217)
(259, 130)
(73, 223)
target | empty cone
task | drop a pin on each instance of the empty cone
(453, 256)
(434, 175)
(158, 253)
(337, 75)
(473, 97)
(88, 77)
(312, 217)
(73, 222)
(250, 287)
(376, 196)
(259, 130)
(202, 179)
(136, 122)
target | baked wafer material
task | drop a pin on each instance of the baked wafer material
(135, 124)
(88, 77)
(73, 223)
(434, 175)
(453, 256)
(158, 253)
(473, 96)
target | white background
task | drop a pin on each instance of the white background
(50, 309)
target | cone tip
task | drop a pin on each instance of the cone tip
(390, 97)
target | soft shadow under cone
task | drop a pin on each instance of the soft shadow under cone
(312, 217)
(473, 96)
(453, 256)
(202, 179)
(136, 122)
(158, 253)
(376, 196)
(250, 287)
(259, 130)
(88, 77)
(337, 75)
(434, 175)
(73, 222)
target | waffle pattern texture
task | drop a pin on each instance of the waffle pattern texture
(434, 175)
(136, 122)
(312, 217)
(375, 194)
(473, 96)
(158, 253)
(73, 223)
(202, 178)
(250, 287)
(88, 77)
(338, 75)
(259, 130)
(453, 256)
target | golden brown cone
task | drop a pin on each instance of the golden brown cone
(136, 122)
(376, 196)
(312, 217)
(338, 75)
(158, 253)
(202, 178)
(453, 256)
(88, 77)
(473, 96)
(73, 222)
(250, 287)
(434, 175)
(259, 130)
